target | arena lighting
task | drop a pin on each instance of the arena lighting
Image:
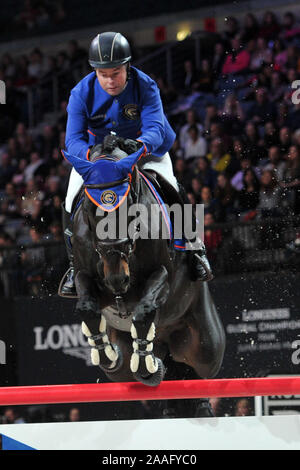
(183, 34)
(133, 391)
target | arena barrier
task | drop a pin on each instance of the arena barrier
(131, 391)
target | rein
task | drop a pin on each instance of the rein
(135, 184)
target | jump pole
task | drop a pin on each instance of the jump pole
(133, 391)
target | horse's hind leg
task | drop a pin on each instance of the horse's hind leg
(201, 342)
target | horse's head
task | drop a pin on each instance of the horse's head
(110, 179)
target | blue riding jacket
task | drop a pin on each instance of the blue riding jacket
(135, 113)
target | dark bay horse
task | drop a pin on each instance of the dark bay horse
(135, 297)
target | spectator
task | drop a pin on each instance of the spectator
(9, 266)
(283, 110)
(196, 188)
(191, 120)
(47, 141)
(74, 415)
(291, 179)
(248, 196)
(18, 178)
(218, 59)
(75, 52)
(238, 60)
(51, 210)
(275, 163)
(271, 137)
(24, 139)
(205, 173)
(211, 117)
(181, 172)
(238, 153)
(26, 19)
(253, 143)
(232, 115)
(262, 110)
(243, 408)
(292, 61)
(195, 146)
(218, 158)
(225, 194)
(290, 29)
(277, 88)
(293, 119)
(31, 205)
(176, 151)
(269, 196)
(285, 140)
(279, 55)
(11, 416)
(55, 232)
(231, 30)
(32, 169)
(36, 64)
(7, 170)
(190, 77)
(10, 203)
(33, 261)
(261, 55)
(270, 27)
(237, 179)
(217, 131)
(167, 93)
(250, 28)
(211, 205)
(205, 83)
(212, 237)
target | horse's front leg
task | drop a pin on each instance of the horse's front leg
(145, 366)
(104, 354)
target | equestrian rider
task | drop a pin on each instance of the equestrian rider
(120, 98)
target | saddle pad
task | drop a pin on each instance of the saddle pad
(179, 244)
(161, 204)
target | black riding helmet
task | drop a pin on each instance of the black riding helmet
(109, 50)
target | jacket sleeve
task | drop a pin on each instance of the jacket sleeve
(152, 117)
(76, 131)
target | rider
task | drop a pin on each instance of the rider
(120, 98)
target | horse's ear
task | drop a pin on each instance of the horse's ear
(80, 165)
(127, 163)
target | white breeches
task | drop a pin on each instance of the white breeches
(162, 165)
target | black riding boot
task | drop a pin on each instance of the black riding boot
(199, 265)
(67, 286)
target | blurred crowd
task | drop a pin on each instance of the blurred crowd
(237, 121)
(220, 407)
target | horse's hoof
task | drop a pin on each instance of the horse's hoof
(117, 366)
(152, 380)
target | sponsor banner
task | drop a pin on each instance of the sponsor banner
(261, 317)
(51, 346)
(277, 405)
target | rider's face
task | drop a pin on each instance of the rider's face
(112, 80)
